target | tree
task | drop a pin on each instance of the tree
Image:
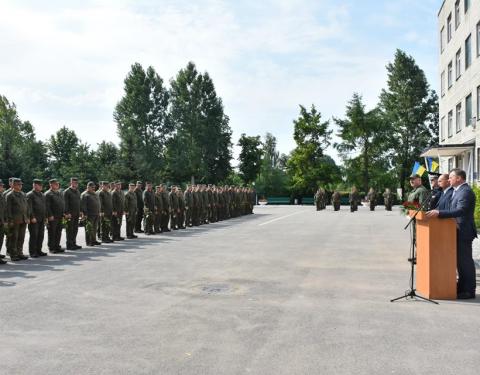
(308, 166)
(105, 161)
(250, 157)
(407, 107)
(272, 179)
(362, 135)
(21, 155)
(200, 149)
(142, 123)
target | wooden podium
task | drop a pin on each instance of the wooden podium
(436, 257)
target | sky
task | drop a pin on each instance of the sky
(63, 62)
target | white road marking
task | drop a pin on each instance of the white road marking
(280, 218)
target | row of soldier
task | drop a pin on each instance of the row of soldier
(101, 212)
(354, 200)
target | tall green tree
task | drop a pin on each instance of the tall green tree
(272, 179)
(362, 138)
(308, 165)
(250, 157)
(200, 149)
(408, 107)
(142, 123)
(21, 155)
(106, 161)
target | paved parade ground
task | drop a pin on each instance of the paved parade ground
(287, 290)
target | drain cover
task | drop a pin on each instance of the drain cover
(216, 288)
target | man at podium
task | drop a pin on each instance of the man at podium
(462, 207)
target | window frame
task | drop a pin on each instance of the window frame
(458, 64)
(468, 120)
(450, 124)
(450, 74)
(468, 52)
(449, 28)
(458, 117)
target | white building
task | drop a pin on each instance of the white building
(459, 49)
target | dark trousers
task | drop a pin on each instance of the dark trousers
(353, 206)
(165, 219)
(188, 216)
(116, 226)
(106, 227)
(465, 266)
(138, 223)
(149, 223)
(157, 224)
(15, 239)
(91, 226)
(130, 219)
(372, 206)
(336, 206)
(37, 233)
(54, 234)
(72, 231)
(2, 234)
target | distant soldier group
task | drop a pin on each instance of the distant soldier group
(150, 211)
(320, 199)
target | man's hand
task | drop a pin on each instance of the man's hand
(51, 218)
(33, 221)
(432, 213)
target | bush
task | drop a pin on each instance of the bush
(476, 190)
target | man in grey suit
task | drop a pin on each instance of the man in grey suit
(462, 207)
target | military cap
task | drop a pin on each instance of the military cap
(414, 175)
(105, 183)
(131, 184)
(17, 180)
(73, 179)
(148, 183)
(91, 183)
(38, 181)
(118, 182)
(53, 180)
(139, 182)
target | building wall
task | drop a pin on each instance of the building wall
(468, 82)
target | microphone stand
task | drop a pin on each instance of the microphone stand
(411, 293)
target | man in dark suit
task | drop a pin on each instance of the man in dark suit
(462, 207)
(447, 191)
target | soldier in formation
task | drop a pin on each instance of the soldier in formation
(336, 200)
(353, 198)
(372, 199)
(388, 199)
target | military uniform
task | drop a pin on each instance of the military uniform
(106, 211)
(158, 210)
(2, 223)
(388, 199)
(139, 195)
(71, 198)
(17, 219)
(90, 208)
(117, 214)
(353, 199)
(181, 210)
(55, 210)
(336, 200)
(372, 199)
(419, 194)
(166, 211)
(131, 212)
(174, 210)
(149, 210)
(188, 196)
(38, 212)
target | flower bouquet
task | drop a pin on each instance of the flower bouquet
(409, 206)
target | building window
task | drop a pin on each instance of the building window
(468, 110)
(450, 74)
(478, 103)
(442, 36)
(450, 123)
(457, 14)
(458, 117)
(458, 64)
(449, 27)
(466, 4)
(478, 39)
(442, 128)
(468, 52)
(442, 83)
(450, 164)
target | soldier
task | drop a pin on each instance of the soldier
(166, 209)
(353, 199)
(106, 212)
(181, 209)
(17, 219)
(10, 186)
(372, 198)
(336, 200)
(158, 210)
(174, 206)
(37, 206)
(195, 206)
(71, 197)
(139, 194)
(148, 208)
(2, 221)
(117, 211)
(90, 210)
(388, 199)
(55, 215)
(188, 196)
(436, 190)
(130, 210)
(419, 193)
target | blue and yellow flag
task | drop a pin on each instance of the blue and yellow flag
(434, 166)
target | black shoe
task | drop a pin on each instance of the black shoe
(95, 243)
(34, 255)
(131, 237)
(466, 295)
(15, 259)
(42, 254)
(3, 261)
(2, 256)
(107, 240)
(139, 231)
(71, 248)
(76, 247)
(55, 251)
(120, 239)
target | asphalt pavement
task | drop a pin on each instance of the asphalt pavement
(285, 291)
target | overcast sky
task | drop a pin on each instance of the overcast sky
(64, 62)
